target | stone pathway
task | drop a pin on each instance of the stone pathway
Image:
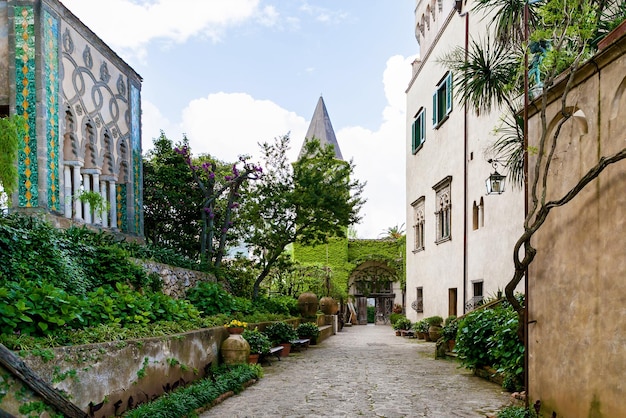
(365, 371)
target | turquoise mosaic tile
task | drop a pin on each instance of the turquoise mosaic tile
(51, 80)
(135, 133)
(120, 199)
(26, 101)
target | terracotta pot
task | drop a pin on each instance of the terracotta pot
(420, 335)
(398, 333)
(235, 330)
(286, 349)
(328, 305)
(253, 358)
(451, 344)
(307, 303)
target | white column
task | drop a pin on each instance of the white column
(104, 193)
(78, 206)
(97, 218)
(67, 190)
(113, 204)
(87, 187)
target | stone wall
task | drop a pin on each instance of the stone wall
(577, 344)
(176, 281)
(109, 378)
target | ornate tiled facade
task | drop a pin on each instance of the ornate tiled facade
(82, 108)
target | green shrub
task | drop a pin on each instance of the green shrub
(184, 401)
(284, 305)
(371, 314)
(434, 321)
(35, 309)
(450, 328)
(211, 298)
(259, 342)
(394, 317)
(402, 323)
(308, 330)
(488, 337)
(280, 332)
(516, 412)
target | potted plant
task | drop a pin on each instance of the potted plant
(235, 326)
(308, 330)
(449, 331)
(259, 343)
(422, 330)
(281, 333)
(434, 327)
(401, 324)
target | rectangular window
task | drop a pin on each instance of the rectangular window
(419, 301)
(477, 298)
(442, 100)
(443, 210)
(418, 226)
(418, 130)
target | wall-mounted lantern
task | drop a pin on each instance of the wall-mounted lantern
(495, 182)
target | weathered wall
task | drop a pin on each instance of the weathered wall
(176, 281)
(577, 291)
(106, 379)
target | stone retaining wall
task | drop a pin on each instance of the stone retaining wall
(176, 280)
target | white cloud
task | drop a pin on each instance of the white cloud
(227, 125)
(129, 26)
(379, 155)
(153, 122)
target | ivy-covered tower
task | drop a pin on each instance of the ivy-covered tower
(332, 256)
(360, 271)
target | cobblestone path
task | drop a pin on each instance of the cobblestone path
(365, 371)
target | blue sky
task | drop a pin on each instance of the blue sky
(232, 73)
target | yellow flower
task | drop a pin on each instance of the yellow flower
(236, 324)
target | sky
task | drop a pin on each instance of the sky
(230, 74)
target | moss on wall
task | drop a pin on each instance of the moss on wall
(342, 256)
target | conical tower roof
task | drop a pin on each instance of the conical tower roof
(322, 129)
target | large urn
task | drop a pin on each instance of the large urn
(307, 303)
(329, 305)
(235, 350)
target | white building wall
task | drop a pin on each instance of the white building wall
(441, 267)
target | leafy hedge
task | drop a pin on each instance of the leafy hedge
(488, 337)
(185, 401)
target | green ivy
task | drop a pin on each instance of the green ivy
(10, 130)
(488, 337)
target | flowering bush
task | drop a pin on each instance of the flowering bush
(236, 324)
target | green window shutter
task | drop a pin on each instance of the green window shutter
(449, 93)
(435, 108)
(423, 125)
(414, 137)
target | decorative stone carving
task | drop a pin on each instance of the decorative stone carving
(87, 57)
(104, 72)
(68, 43)
(121, 86)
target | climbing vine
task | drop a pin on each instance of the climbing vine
(10, 129)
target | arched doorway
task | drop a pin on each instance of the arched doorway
(373, 280)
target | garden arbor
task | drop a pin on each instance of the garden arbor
(377, 281)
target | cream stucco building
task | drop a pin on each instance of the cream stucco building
(459, 239)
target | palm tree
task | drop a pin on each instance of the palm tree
(393, 232)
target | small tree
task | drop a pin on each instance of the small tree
(213, 188)
(308, 202)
